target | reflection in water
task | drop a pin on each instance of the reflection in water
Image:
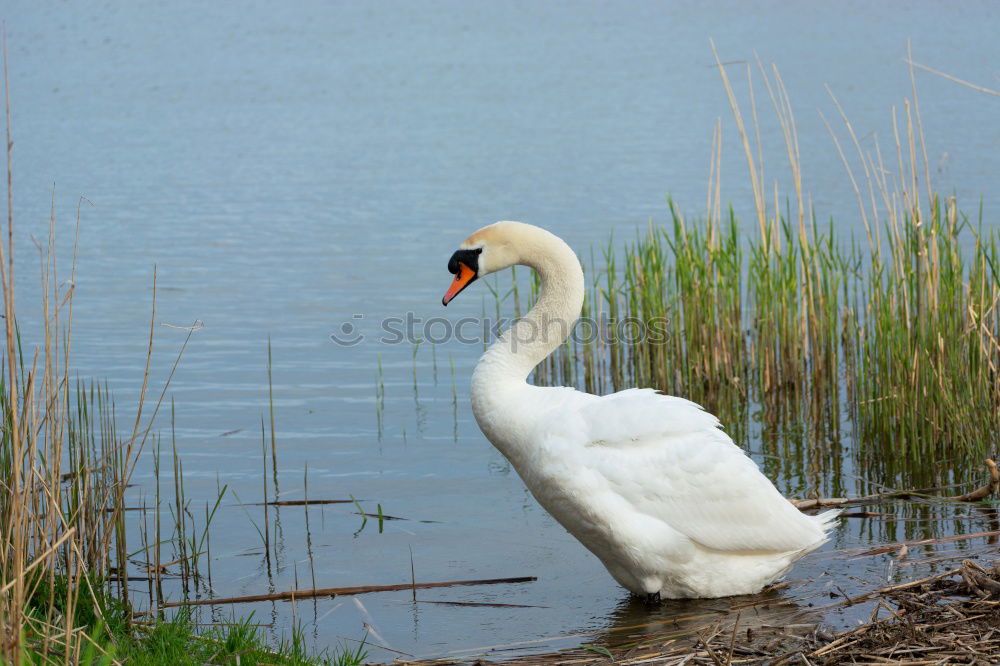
(632, 620)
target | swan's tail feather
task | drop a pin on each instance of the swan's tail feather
(827, 519)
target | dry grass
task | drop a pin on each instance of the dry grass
(64, 470)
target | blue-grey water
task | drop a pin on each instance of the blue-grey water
(289, 168)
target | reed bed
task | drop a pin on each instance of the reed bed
(904, 348)
(73, 535)
(63, 473)
(894, 335)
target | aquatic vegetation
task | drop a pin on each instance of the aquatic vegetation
(68, 550)
(68, 525)
(901, 344)
(895, 335)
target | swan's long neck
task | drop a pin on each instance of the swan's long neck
(503, 370)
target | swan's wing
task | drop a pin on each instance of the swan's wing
(669, 459)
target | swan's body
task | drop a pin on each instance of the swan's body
(649, 483)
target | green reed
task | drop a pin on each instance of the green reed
(67, 532)
(807, 328)
(924, 354)
(66, 526)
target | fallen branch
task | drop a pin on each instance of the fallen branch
(980, 493)
(926, 542)
(336, 591)
(819, 502)
(477, 604)
(882, 591)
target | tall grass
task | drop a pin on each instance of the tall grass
(895, 334)
(72, 537)
(65, 466)
(63, 473)
(60, 476)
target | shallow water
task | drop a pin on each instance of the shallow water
(289, 171)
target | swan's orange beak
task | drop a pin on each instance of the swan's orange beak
(463, 279)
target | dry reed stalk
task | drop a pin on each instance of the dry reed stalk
(63, 469)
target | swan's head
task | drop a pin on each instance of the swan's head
(488, 250)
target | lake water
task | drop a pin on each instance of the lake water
(287, 170)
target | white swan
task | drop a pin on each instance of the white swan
(648, 482)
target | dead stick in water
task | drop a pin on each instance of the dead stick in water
(303, 502)
(821, 502)
(981, 493)
(335, 591)
(888, 548)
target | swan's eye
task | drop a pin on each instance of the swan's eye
(479, 250)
